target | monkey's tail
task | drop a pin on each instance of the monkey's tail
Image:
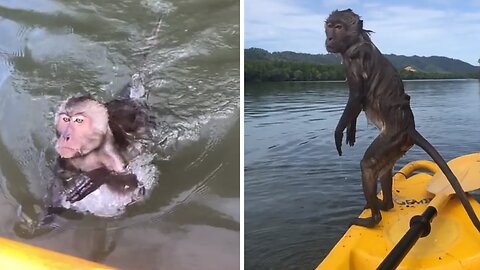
(433, 153)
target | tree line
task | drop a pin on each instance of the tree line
(267, 70)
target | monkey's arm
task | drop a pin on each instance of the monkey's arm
(349, 118)
(87, 182)
(358, 68)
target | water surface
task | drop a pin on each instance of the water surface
(53, 49)
(300, 195)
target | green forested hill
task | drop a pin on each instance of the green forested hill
(261, 65)
(437, 64)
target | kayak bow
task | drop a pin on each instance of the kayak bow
(452, 243)
(16, 255)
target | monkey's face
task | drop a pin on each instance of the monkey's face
(81, 127)
(343, 29)
(339, 36)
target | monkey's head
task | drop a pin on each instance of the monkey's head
(81, 126)
(343, 29)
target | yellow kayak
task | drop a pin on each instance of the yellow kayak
(453, 243)
(18, 256)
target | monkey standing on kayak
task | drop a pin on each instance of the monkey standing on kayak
(376, 88)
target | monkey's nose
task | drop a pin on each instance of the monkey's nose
(66, 138)
(330, 39)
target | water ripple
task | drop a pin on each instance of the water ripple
(53, 49)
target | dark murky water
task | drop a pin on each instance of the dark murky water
(299, 194)
(53, 49)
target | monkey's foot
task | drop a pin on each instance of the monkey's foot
(385, 205)
(367, 222)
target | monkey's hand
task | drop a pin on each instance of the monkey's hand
(338, 140)
(88, 182)
(351, 135)
(81, 186)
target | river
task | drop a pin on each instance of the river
(299, 194)
(53, 49)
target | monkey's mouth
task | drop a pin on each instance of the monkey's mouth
(330, 48)
(67, 152)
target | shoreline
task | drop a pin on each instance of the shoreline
(342, 81)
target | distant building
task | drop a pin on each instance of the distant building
(410, 69)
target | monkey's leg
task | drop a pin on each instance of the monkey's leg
(400, 143)
(378, 160)
(386, 183)
(373, 163)
(369, 184)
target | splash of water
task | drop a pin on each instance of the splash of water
(104, 202)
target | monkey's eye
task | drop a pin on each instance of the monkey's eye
(66, 119)
(338, 26)
(78, 119)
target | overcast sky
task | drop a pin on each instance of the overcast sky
(442, 27)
